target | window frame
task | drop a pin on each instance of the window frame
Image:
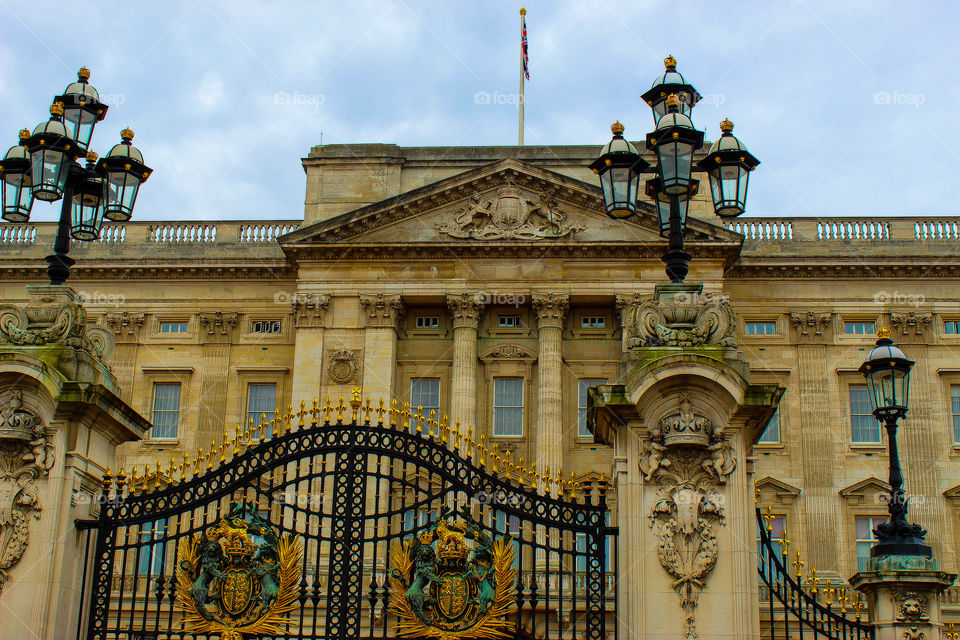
(772, 324)
(426, 408)
(582, 434)
(153, 410)
(495, 407)
(956, 328)
(278, 323)
(153, 550)
(169, 323)
(870, 334)
(270, 414)
(874, 520)
(954, 395)
(779, 438)
(850, 415)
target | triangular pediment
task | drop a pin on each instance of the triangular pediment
(867, 490)
(504, 203)
(770, 489)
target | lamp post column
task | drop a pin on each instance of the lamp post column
(676, 259)
(465, 312)
(551, 311)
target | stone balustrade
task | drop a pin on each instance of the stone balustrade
(156, 232)
(846, 229)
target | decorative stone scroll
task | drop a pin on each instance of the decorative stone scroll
(25, 456)
(54, 319)
(689, 457)
(509, 215)
(682, 318)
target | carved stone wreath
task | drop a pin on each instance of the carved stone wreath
(344, 366)
(689, 457)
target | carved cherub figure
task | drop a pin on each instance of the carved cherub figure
(720, 463)
(656, 457)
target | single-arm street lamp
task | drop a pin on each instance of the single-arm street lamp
(44, 166)
(887, 371)
(674, 141)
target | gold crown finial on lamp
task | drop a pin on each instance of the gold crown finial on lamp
(673, 101)
(91, 157)
(883, 332)
(670, 62)
(83, 74)
(56, 109)
(127, 134)
(616, 128)
(726, 126)
(24, 134)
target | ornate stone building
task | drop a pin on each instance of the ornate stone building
(486, 284)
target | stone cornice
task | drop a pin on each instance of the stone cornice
(551, 309)
(826, 267)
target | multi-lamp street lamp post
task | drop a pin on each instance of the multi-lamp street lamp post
(44, 166)
(674, 141)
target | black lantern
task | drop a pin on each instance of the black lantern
(663, 203)
(671, 82)
(16, 180)
(728, 164)
(52, 151)
(86, 215)
(82, 109)
(124, 171)
(675, 140)
(887, 371)
(619, 167)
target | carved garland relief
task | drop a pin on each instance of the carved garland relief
(509, 215)
(689, 457)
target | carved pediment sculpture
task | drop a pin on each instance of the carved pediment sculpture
(690, 458)
(509, 215)
(25, 456)
(684, 320)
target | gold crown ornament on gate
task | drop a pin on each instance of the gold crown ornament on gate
(443, 588)
(239, 577)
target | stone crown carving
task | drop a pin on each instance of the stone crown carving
(54, 316)
(681, 318)
(344, 366)
(509, 214)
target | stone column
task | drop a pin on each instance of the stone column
(551, 310)
(903, 597)
(384, 314)
(817, 441)
(309, 310)
(217, 331)
(465, 313)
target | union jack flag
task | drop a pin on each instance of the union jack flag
(523, 47)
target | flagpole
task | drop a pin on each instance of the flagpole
(523, 12)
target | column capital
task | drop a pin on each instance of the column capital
(383, 310)
(125, 326)
(309, 308)
(551, 309)
(219, 325)
(466, 309)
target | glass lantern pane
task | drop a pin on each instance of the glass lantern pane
(79, 124)
(621, 185)
(742, 189)
(17, 198)
(606, 185)
(121, 194)
(49, 173)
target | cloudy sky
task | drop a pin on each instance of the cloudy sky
(851, 106)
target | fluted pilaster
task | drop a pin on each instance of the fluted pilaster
(465, 313)
(551, 310)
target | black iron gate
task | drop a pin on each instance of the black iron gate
(789, 610)
(366, 523)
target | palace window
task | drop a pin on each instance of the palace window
(772, 433)
(428, 322)
(951, 327)
(266, 326)
(955, 411)
(510, 321)
(508, 407)
(173, 327)
(858, 328)
(414, 519)
(583, 548)
(425, 393)
(152, 552)
(582, 387)
(864, 428)
(593, 322)
(760, 328)
(166, 410)
(510, 525)
(261, 400)
(866, 539)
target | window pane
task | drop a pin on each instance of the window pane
(166, 410)
(858, 328)
(261, 399)
(425, 393)
(152, 551)
(863, 426)
(772, 432)
(955, 402)
(508, 406)
(582, 387)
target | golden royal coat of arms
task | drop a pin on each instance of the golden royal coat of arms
(239, 577)
(441, 588)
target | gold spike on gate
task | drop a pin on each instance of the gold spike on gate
(443, 429)
(394, 412)
(186, 463)
(327, 410)
(798, 565)
(315, 413)
(171, 471)
(355, 403)
(301, 414)
(380, 411)
(367, 409)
